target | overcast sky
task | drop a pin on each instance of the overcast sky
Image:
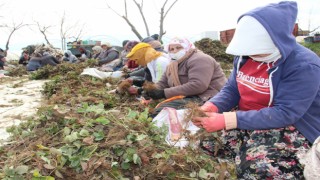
(188, 18)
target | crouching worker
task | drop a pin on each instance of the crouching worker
(154, 63)
(69, 57)
(108, 58)
(274, 87)
(191, 76)
(38, 60)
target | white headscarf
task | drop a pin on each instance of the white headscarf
(250, 38)
(185, 43)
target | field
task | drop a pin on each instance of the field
(82, 130)
(79, 129)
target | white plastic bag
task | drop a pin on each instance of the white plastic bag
(311, 161)
(174, 120)
(100, 74)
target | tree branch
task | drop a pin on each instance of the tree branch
(163, 15)
(43, 31)
(14, 28)
(125, 17)
(166, 13)
(142, 15)
(314, 29)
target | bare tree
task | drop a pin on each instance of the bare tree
(12, 30)
(67, 31)
(310, 21)
(43, 30)
(314, 30)
(78, 32)
(140, 6)
(125, 17)
(63, 31)
(163, 14)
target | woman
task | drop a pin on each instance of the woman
(192, 74)
(69, 57)
(275, 88)
(127, 63)
(24, 58)
(84, 54)
(39, 60)
(108, 54)
(96, 51)
(154, 63)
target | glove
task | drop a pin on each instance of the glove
(134, 90)
(145, 96)
(214, 122)
(156, 94)
(209, 107)
(137, 81)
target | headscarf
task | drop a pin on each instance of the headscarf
(130, 45)
(143, 53)
(72, 58)
(106, 44)
(98, 49)
(156, 45)
(172, 68)
(250, 38)
(185, 43)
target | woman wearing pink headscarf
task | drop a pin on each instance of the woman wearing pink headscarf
(191, 76)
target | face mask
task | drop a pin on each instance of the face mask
(177, 55)
(270, 58)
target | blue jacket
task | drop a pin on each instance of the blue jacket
(295, 79)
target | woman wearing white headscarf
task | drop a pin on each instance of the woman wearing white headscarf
(191, 76)
(96, 51)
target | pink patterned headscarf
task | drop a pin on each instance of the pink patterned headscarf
(172, 68)
(185, 43)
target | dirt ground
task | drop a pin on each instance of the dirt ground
(19, 100)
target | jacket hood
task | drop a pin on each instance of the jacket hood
(69, 52)
(279, 20)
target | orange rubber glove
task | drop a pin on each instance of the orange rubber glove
(209, 107)
(214, 122)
